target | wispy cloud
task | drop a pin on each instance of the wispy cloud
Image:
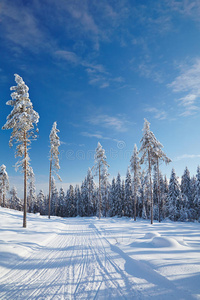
(187, 8)
(158, 113)
(188, 82)
(186, 156)
(98, 135)
(97, 73)
(148, 70)
(118, 123)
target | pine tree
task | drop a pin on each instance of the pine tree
(33, 205)
(187, 194)
(4, 183)
(197, 196)
(100, 161)
(61, 202)
(15, 202)
(77, 197)
(112, 199)
(174, 197)
(152, 152)
(41, 202)
(54, 197)
(118, 193)
(54, 160)
(135, 168)
(104, 189)
(90, 189)
(128, 207)
(22, 119)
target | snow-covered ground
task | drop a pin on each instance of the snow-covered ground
(87, 258)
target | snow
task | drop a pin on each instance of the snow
(88, 258)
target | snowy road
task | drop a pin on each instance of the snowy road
(83, 261)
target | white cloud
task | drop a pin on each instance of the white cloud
(158, 114)
(188, 82)
(118, 123)
(186, 156)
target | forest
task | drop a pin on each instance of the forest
(143, 194)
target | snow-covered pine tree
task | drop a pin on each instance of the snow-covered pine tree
(159, 156)
(15, 202)
(104, 189)
(22, 119)
(100, 161)
(84, 203)
(123, 196)
(4, 184)
(118, 193)
(54, 160)
(174, 198)
(151, 150)
(41, 202)
(197, 195)
(135, 169)
(112, 199)
(90, 188)
(77, 197)
(187, 194)
(33, 205)
(128, 201)
(61, 202)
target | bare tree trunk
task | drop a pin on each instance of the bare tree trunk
(159, 208)
(25, 180)
(99, 192)
(151, 195)
(135, 197)
(4, 194)
(50, 187)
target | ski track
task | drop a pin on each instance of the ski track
(81, 263)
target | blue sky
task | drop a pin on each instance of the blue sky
(99, 68)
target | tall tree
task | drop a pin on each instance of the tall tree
(152, 153)
(54, 160)
(128, 207)
(118, 194)
(112, 199)
(4, 183)
(135, 169)
(104, 188)
(22, 119)
(100, 162)
(90, 188)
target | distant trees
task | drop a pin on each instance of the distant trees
(142, 195)
(4, 184)
(22, 119)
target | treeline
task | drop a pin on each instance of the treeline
(178, 201)
(144, 194)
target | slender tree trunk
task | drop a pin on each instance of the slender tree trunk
(99, 192)
(4, 194)
(159, 208)
(135, 196)
(50, 187)
(25, 180)
(151, 195)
